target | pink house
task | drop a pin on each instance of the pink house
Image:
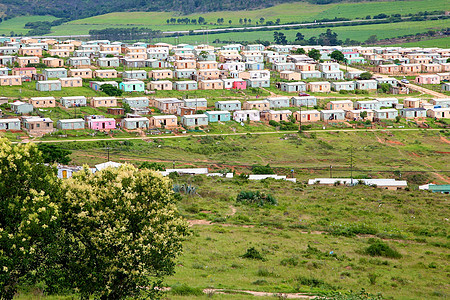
(428, 79)
(102, 124)
(240, 85)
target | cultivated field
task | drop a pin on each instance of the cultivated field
(17, 24)
(287, 13)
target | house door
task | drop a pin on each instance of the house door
(308, 117)
(64, 174)
(7, 126)
(103, 126)
(137, 124)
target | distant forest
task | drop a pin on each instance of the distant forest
(78, 9)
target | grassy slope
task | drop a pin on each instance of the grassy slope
(290, 12)
(372, 152)
(410, 223)
(441, 43)
(17, 24)
(359, 33)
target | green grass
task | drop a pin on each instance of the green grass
(17, 24)
(288, 12)
(28, 89)
(441, 43)
(359, 33)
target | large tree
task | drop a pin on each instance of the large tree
(29, 214)
(337, 55)
(122, 232)
(314, 54)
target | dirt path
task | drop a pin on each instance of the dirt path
(233, 211)
(261, 294)
(445, 140)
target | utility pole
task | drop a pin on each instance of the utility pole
(107, 148)
(300, 124)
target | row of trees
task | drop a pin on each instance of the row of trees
(109, 235)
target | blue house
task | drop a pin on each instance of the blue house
(136, 102)
(185, 73)
(256, 83)
(293, 87)
(411, 113)
(10, 124)
(343, 86)
(385, 114)
(254, 65)
(135, 74)
(366, 84)
(48, 85)
(55, 73)
(310, 74)
(20, 107)
(308, 101)
(278, 102)
(73, 101)
(70, 124)
(216, 116)
(228, 105)
(194, 120)
(387, 102)
(132, 86)
(188, 85)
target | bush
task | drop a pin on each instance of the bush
(291, 261)
(258, 169)
(261, 199)
(378, 248)
(252, 253)
(185, 290)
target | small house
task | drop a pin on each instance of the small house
(230, 105)
(117, 111)
(258, 83)
(197, 103)
(103, 102)
(108, 73)
(332, 115)
(278, 102)
(412, 113)
(234, 83)
(385, 114)
(186, 85)
(293, 87)
(342, 104)
(74, 101)
(353, 74)
(79, 61)
(276, 115)
(194, 120)
(318, 87)
(38, 126)
(167, 105)
(23, 72)
(326, 67)
(136, 102)
(258, 105)
(388, 80)
(411, 102)
(367, 104)
(310, 74)
(343, 86)
(160, 74)
(246, 115)
(387, 102)
(48, 85)
(333, 75)
(355, 115)
(439, 113)
(135, 123)
(391, 69)
(428, 79)
(290, 75)
(210, 84)
(108, 62)
(53, 62)
(82, 73)
(301, 67)
(102, 124)
(185, 73)
(132, 86)
(42, 102)
(19, 107)
(70, 124)
(166, 121)
(281, 67)
(10, 80)
(303, 101)
(161, 85)
(366, 84)
(307, 116)
(71, 82)
(55, 73)
(27, 60)
(441, 102)
(218, 116)
(135, 74)
(10, 124)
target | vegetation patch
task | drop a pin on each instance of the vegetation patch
(379, 248)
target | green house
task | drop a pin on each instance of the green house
(132, 86)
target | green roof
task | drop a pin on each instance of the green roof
(440, 188)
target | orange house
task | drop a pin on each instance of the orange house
(67, 47)
(319, 87)
(160, 74)
(210, 85)
(110, 73)
(307, 116)
(209, 73)
(83, 73)
(24, 61)
(184, 64)
(167, 121)
(53, 62)
(431, 68)
(30, 51)
(71, 82)
(388, 69)
(410, 68)
(59, 52)
(304, 67)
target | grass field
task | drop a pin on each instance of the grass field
(441, 43)
(359, 33)
(289, 12)
(296, 237)
(17, 24)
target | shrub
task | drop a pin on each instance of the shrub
(378, 248)
(252, 253)
(258, 169)
(261, 199)
(185, 290)
(291, 261)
